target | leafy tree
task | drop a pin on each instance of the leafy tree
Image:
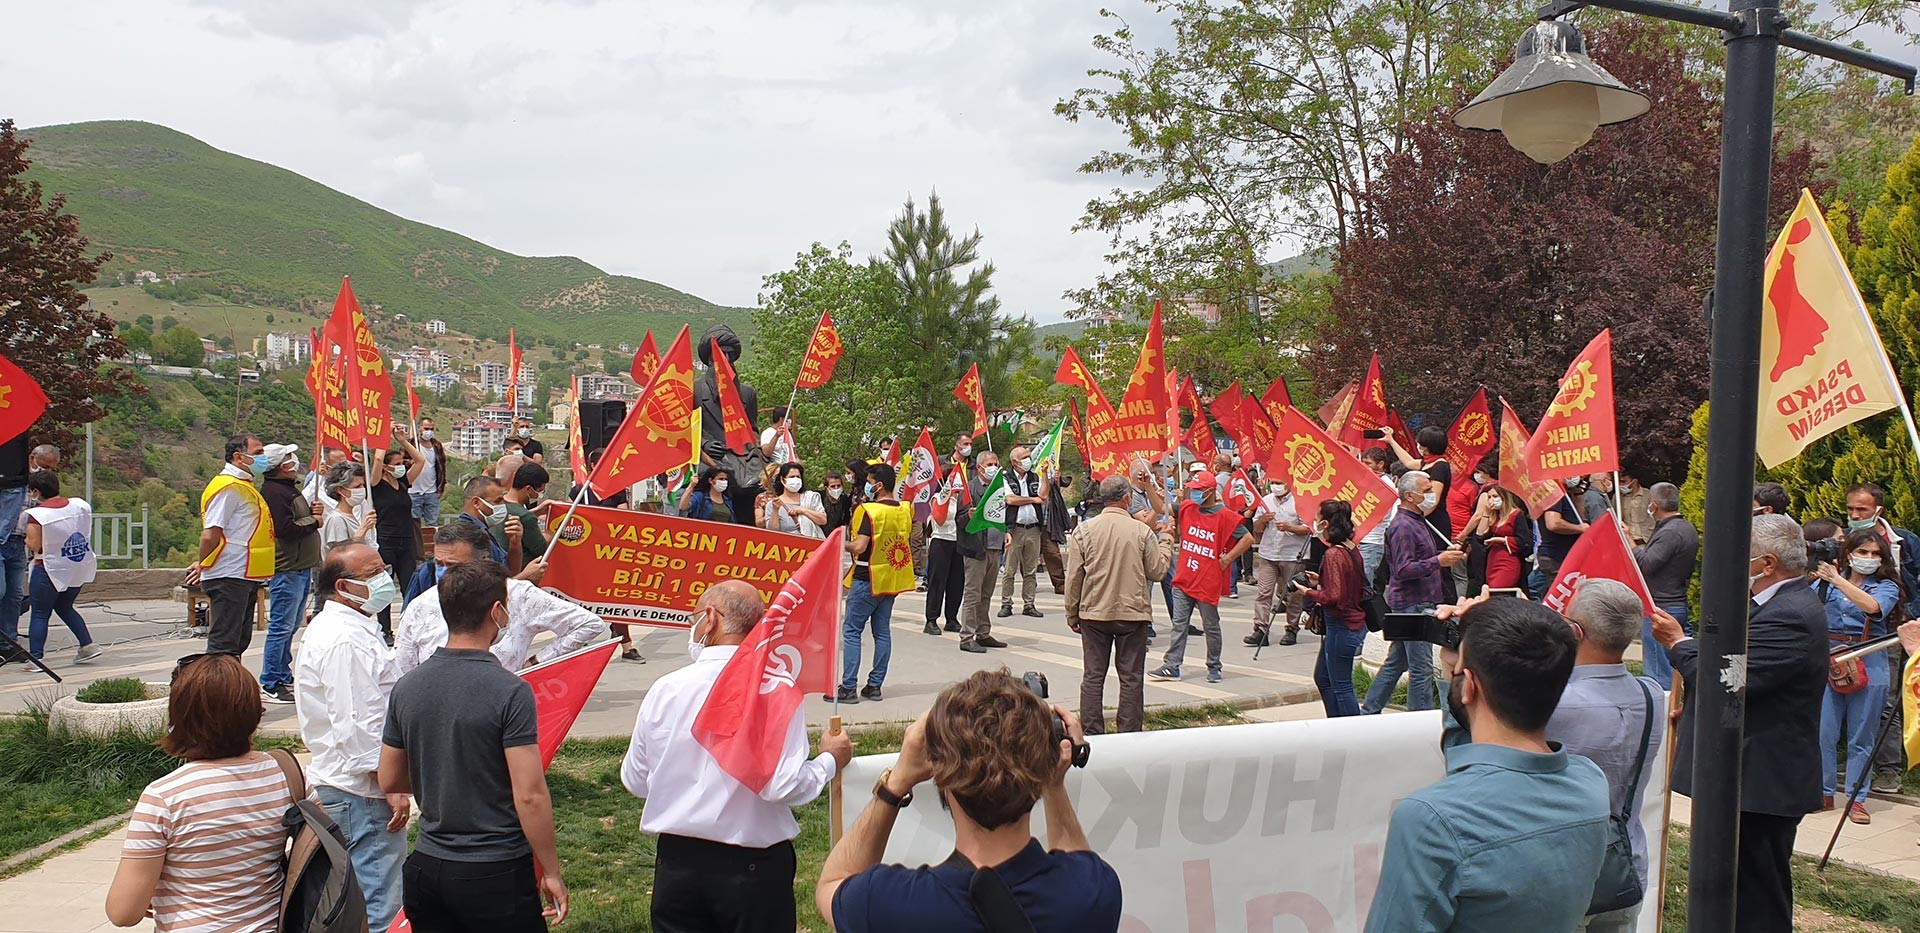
(48, 328)
(453, 396)
(179, 346)
(616, 364)
(1478, 266)
(144, 322)
(169, 322)
(137, 340)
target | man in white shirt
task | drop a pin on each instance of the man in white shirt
(1282, 554)
(725, 856)
(1026, 497)
(530, 611)
(341, 681)
(236, 546)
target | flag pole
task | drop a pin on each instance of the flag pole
(1674, 699)
(835, 802)
(1621, 511)
(554, 539)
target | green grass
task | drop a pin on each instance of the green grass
(54, 783)
(113, 690)
(1847, 892)
(258, 234)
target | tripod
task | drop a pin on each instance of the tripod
(10, 650)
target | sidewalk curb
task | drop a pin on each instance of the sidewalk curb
(41, 851)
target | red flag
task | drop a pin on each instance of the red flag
(1277, 397)
(923, 473)
(413, 401)
(1141, 422)
(369, 399)
(823, 351)
(1601, 553)
(969, 392)
(1074, 373)
(789, 655)
(576, 444)
(1576, 436)
(513, 365)
(1538, 494)
(1095, 437)
(645, 361)
(1259, 428)
(733, 414)
(1369, 412)
(327, 380)
(1240, 494)
(1399, 426)
(1227, 408)
(1334, 413)
(1190, 397)
(1199, 438)
(21, 401)
(657, 435)
(1319, 469)
(560, 690)
(1079, 434)
(1471, 437)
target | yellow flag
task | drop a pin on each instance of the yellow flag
(1821, 363)
(1910, 708)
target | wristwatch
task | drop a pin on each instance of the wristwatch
(881, 793)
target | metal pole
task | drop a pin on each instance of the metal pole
(89, 463)
(1746, 144)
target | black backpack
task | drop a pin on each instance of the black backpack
(321, 894)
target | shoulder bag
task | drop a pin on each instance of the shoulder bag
(1618, 886)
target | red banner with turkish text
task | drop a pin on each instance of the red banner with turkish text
(1369, 411)
(658, 433)
(1601, 553)
(649, 568)
(369, 401)
(733, 414)
(1576, 436)
(1318, 469)
(1140, 424)
(327, 382)
(823, 352)
(1538, 494)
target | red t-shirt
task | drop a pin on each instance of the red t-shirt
(1461, 498)
(1203, 539)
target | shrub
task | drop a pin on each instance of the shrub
(113, 690)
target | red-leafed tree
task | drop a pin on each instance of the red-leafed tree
(1478, 266)
(46, 325)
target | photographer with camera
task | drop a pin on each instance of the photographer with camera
(989, 745)
(1514, 836)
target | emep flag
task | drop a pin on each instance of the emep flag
(1823, 364)
(747, 715)
(823, 352)
(1577, 435)
(1320, 469)
(1600, 553)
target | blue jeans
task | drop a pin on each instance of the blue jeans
(48, 602)
(862, 608)
(426, 508)
(1333, 669)
(1183, 607)
(286, 604)
(376, 854)
(1653, 655)
(1537, 582)
(1370, 555)
(13, 561)
(1852, 718)
(1413, 658)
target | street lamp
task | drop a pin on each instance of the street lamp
(1754, 31)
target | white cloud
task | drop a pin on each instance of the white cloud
(699, 145)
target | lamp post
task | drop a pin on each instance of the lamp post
(1548, 103)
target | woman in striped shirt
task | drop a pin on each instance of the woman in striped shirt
(204, 848)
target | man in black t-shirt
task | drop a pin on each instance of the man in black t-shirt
(1560, 526)
(529, 448)
(462, 736)
(987, 747)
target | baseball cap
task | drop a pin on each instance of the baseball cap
(1202, 479)
(278, 453)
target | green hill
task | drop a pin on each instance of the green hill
(254, 233)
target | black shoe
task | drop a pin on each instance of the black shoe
(932, 629)
(988, 641)
(1035, 613)
(1289, 637)
(847, 695)
(972, 647)
(953, 626)
(282, 694)
(1193, 630)
(632, 654)
(1258, 639)
(16, 656)
(1006, 609)
(870, 692)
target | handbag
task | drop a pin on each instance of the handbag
(1373, 598)
(1618, 886)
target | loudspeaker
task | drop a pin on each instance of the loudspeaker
(599, 421)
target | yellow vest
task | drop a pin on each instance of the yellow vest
(889, 558)
(260, 546)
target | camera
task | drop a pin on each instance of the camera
(1420, 626)
(1824, 551)
(1037, 683)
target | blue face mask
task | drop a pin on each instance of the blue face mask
(261, 465)
(1197, 496)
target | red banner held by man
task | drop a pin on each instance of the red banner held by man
(1259, 429)
(1240, 492)
(1141, 423)
(1369, 411)
(1319, 469)
(560, 691)
(645, 361)
(327, 382)
(1538, 494)
(1199, 438)
(657, 435)
(1096, 436)
(823, 352)
(1577, 435)
(1471, 437)
(1601, 553)
(369, 389)
(974, 397)
(1228, 408)
(22, 401)
(749, 712)
(733, 414)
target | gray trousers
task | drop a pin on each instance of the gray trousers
(1271, 575)
(230, 614)
(1023, 558)
(1124, 644)
(974, 621)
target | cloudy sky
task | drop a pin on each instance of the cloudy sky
(696, 144)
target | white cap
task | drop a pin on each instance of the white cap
(279, 453)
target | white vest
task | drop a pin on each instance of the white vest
(66, 548)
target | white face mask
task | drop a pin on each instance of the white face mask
(990, 472)
(1025, 464)
(356, 496)
(426, 434)
(1277, 489)
(720, 486)
(792, 483)
(694, 644)
(1865, 566)
(399, 470)
(966, 450)
(488, 510)
(1428, 501)
(833, 492)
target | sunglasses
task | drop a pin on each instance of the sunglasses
(182, 665)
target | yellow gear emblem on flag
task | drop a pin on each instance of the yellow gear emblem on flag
(1312, 465)
(1575, 391)
(657, 423)
(4, 392)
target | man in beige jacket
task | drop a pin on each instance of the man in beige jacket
(1111, 559)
